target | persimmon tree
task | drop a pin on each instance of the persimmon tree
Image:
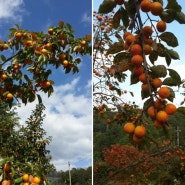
(27, 61)
(31, 57)
(130, 37)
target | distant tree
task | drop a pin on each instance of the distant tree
(27, 145)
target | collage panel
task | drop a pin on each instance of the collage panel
(138, 92)
(45, 92)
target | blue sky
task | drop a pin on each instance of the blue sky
(69, 110)
(178, 65)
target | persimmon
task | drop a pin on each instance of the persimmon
(129, 128)
(6, 167)
(18, 35)
(130, 39)
(161, 26)
(136, 49)
(125, 34)
(9, 96)
(148, 41)
(44, 51)
(137, 139)
(4, 76)
(5, 182)
(156, 83)
(156, 8)
(158, 124)
(159, 103)
(99, 17)
(145, 87)
(147, 49)
(145, 5)
(162, 116)
(164, 92)
(25, 177)
(170, 109)
(65, 63)
(142, 78)
(50, 31)
(36, 180)
(151, 112)
(137, 70)
(140, 131)
(62, 56)
(137, 60)
(147, 31)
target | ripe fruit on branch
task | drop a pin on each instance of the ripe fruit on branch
(50, 31)
(25, 177)
(129, 128)
(136, 49)
(147, 49)
(9, 96)
(145, 5)
(170, 109)
(147, 31)
(5, 182)
(36, 180)
(140, 131)
(130, 39)
(65, 63)
(158, 124)
(156, 83)
(137, 60)
(156, 8)
(44, 51)
(4, 76)
(142, 78)
(137, 70)
(162, 116)
(136, 139)
(151, 112)
(161, 26)
(164, 92)
(6, 166)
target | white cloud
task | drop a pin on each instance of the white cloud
(69, 122)
(86, 18)
(11, 10)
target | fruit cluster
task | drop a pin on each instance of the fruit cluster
(24, 179)
(137, 132)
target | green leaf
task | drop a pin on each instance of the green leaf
(39, 98)
(172, 4)
(145, 94)
(168, 16)
(107, 6)
(174, 75)
(172, 95)
(153, 56)
(121, 57)
(167, 58)
(169, 38)
(174, 55)
(180, 17)
(3, 58)
(159, 71)
(181, 109)
(116, 19)
(124, 17)
(169, 81)
(134, 79)
(18, 180)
